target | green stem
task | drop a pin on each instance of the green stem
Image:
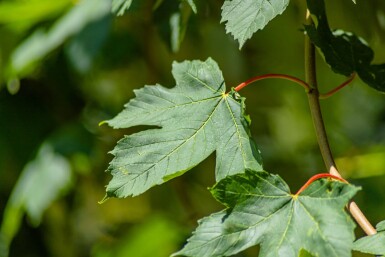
(313, 97)
(315, 109)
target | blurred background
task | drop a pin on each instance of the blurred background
(67, 65)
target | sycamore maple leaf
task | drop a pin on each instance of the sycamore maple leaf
(261, 210)
(245, 17)
(373, 244)
(343, 51)
(197, 117)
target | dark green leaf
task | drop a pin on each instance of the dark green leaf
(261, 210)
(343, 51)
(245, 17)
(374, 244)
(374, 76)
(197, 117)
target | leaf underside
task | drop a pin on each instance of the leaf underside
(245, 17)
(343, 51)
(197, 117)
(261, 210)
(374, 244)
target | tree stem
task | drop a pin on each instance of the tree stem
(323, 142)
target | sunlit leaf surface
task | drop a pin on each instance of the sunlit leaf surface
(245, 17)
(197, 117)
(261, 210)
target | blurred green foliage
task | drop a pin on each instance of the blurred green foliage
(67, 65)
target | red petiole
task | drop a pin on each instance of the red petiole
(271, 76)
(296, 80)
(316, 177)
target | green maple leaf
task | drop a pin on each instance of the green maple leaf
(197, 117)
(261, 210)
(245, 17)
(343, 51)
(374, 244)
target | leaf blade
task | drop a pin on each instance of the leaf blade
(374, 244)
(244, 18)
(193, 116)
(262, 211)
(343, 51)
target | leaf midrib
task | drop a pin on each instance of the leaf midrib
(237, 130)
(170, 107)
(263, 220)
(327, 242)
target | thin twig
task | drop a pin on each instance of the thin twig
(313, 97)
